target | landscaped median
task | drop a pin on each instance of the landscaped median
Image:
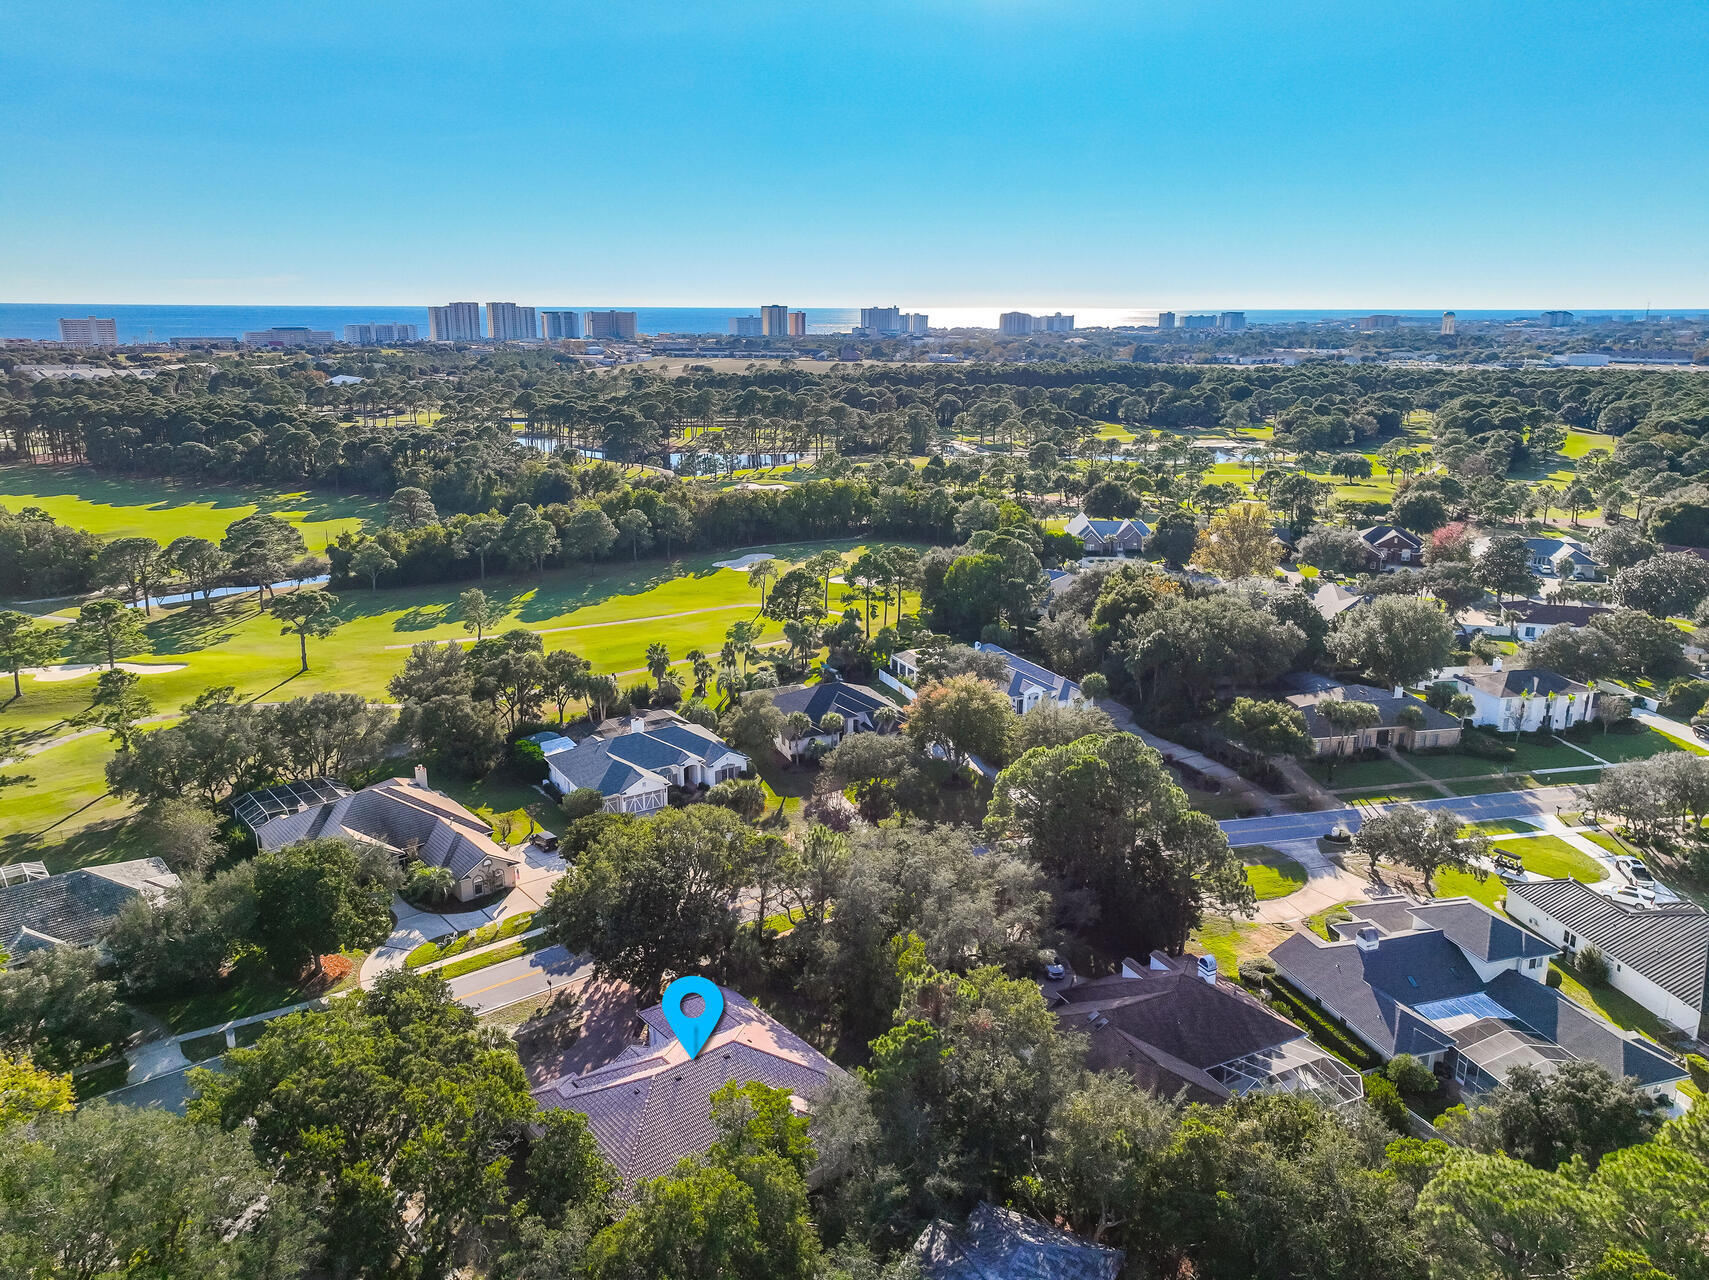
(429, 952)
(489, 945)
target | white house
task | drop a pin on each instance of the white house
(1657, 955)
(634, 762)
(857, 704)
(1561, 558)
(1109, 537)
(1526, 699)
(1028, 684)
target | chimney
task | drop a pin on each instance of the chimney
(1367, 938)
(1207, 969)
(421, 775)
(1400, 691)
(637, 724)
(1495, 665)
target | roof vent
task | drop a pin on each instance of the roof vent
(1367, 938)
(1207, 969)
(1495, 664)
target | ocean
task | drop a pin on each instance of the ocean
(159, 323)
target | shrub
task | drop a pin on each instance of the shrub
(1553, 978)
(1475, 742)
(1409, 1075)
(583, 802)
(639, 695)
(1686, 697)
(1698, 1066)
(1254, 972)
(530, 761)
(1592, 965)
(668, 694)
(1383, 1098)
(745, 796)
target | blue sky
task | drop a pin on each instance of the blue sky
(956, 152)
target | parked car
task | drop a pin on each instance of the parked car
(1701, 730)
(1635, 872)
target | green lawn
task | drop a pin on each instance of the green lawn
(1390, 795)
(1548, 755)
(609, 616)
(1461, 884)
(428, 952)
(1319, 923)
(1453, 764)
(1553, 857)
(1358, 773)
(251, 988)
(1618, 747)
(1270, 872)
(117, 506)
(1505, 826)
(1611, 843)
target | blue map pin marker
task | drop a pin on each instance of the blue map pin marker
(693, 1030)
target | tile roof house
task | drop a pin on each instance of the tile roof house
(1000, 1244)
(1657, 955)
(857, 704)
(1108, 537)
(633, 762)
(1526, 698)
(1388, 547)
(1176, 1027)
(1311, 690)
(1461, 988)
(652, 1104)
(39, 912)
(1028, 684)
(403, 815)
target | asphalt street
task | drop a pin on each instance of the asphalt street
(1308, 826)
(512, 980)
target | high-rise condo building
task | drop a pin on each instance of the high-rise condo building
(377, 335)
(881, 319)
(1447, 324)
(1057, 323)
(1557, 319)
(507, 322)
(609, 324)
(1371, 324)
(916, 322)
(557, 325)
(1198, 322)
(288, 336)
(1016, 323)
(89, 331)
(746, 327)
(774, 320)
(1165, 319)
(1231, 321)
(454, 322)
(798, 324)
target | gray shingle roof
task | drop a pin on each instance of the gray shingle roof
(814, 700)
(1668, 945)
(1388, 708)
(617, 756)
(1537, 681)
(1023, 674)
(75, 908)
(1481, 933)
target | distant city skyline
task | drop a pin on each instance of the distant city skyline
(1083, 155)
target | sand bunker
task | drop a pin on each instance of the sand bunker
(743, 563)
(75, 670)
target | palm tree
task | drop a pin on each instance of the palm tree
(658, 661)
(885, 719)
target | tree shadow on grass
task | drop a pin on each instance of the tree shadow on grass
(193, 628)
(111, 840)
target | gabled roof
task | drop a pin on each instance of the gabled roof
(400, 814)
(1558, 549)
(1388, 708)
(1537, 681)
(1478, 932)
(816, 700)
(623, 753)
(1669, 945)
(1106, 529)
(652, 1105)
(1332, 600)
(75, 908)
(1000, 1244)
(1024, 675)
(1378, 533)
(1549, 613)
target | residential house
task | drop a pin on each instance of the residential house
(402, 815)
(652, 1104)
(635, 761)
(1028, 684)
(1332, 600)
(1526, 699)
(1421, 728)
(1387, 547)
(1529, 620)
(1562, 558)
(1109, 537)
(1462, 989)
(39, 912)
(1657, 954)
(1176, 1026)
(857, 704)
(1000, 1244)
